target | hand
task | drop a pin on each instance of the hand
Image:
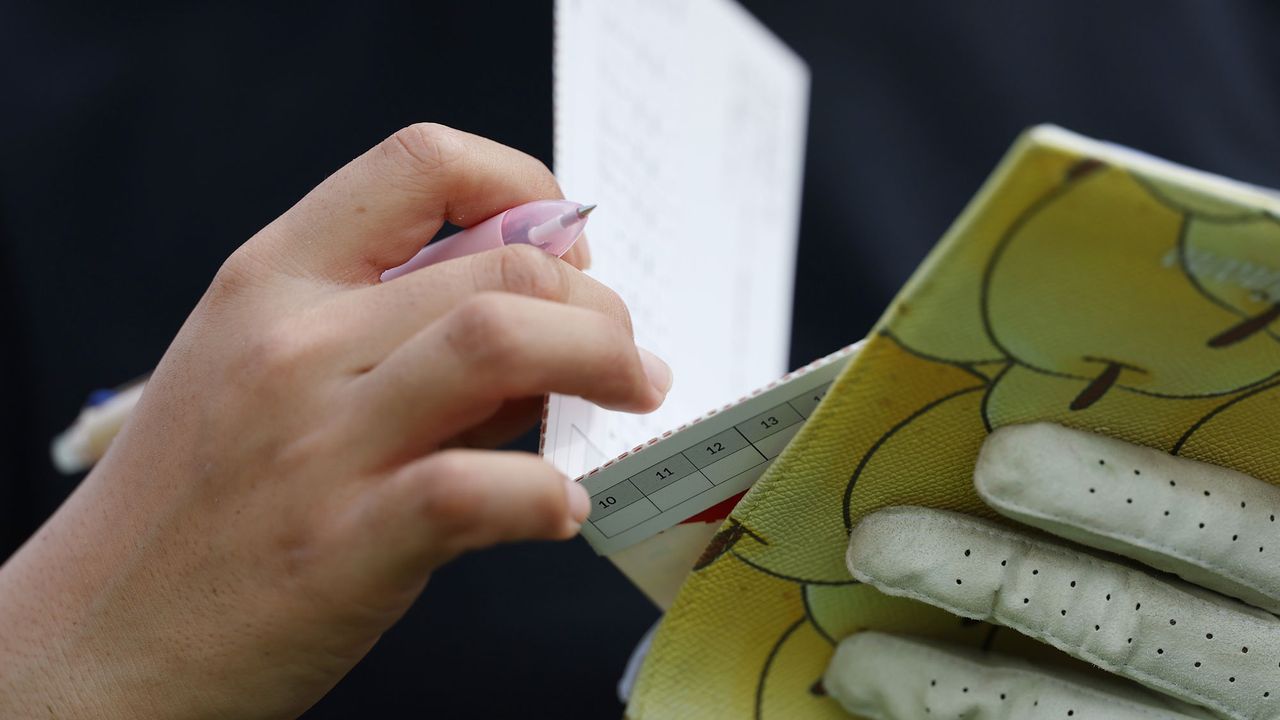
(1202, 650)
(303, 456)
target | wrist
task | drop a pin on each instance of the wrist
(55, 658)
(37, 675)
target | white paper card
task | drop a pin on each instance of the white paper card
(684, 120)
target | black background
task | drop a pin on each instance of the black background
(138, 148)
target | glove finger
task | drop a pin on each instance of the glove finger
(1195, 645)
(886, 677)
(1209, 525)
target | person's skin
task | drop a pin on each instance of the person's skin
(309, 450)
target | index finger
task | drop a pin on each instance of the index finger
(409, 303)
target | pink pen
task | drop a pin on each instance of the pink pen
(550, 225)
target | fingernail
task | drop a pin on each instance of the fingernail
(579, 501)
(658, 372)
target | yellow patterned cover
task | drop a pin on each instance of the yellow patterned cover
(1085, 284)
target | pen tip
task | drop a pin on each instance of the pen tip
(585, 210)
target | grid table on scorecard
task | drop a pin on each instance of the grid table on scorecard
(747, 447)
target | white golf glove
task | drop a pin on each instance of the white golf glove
(1206, 539)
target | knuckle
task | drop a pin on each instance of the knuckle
(448, 500)
(526, 270)
(616, 309)
(617, 347)
(281, 347)
(482, 330)
(550, 507)
(425, 147)
(617, 367)
(239, 273)
(543, 180)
